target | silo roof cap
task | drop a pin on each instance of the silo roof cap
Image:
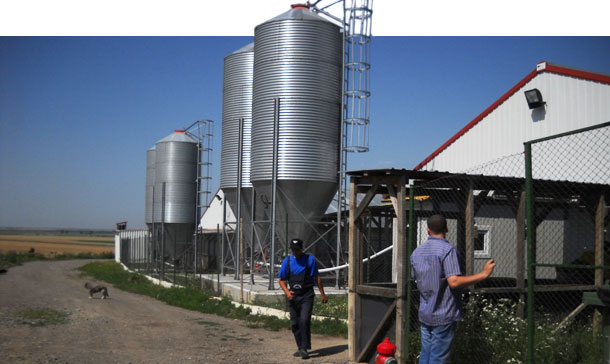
(178, 136)
(246, 48)
(298, 12)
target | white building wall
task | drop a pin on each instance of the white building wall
(212, 216)
(572, 103)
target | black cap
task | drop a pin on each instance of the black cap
(296, 244)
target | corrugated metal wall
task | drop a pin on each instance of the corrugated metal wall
(571, 104)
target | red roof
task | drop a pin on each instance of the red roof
(540, 67)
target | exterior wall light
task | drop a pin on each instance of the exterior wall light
(534, 98)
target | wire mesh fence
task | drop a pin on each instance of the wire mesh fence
(531, 310)
(568, 178)
(180, 262)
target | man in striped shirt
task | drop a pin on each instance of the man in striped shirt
(436, 270)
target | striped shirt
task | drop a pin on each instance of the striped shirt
(432, 263)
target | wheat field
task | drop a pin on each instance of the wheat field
(50, 245)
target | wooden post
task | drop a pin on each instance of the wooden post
(469, 231)
(401, 253)
(600, 216)
(353, 319)
(520, 254)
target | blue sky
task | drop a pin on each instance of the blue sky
(77, 114)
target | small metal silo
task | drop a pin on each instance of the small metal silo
(175, 191)
(298, 60)
(150, 186)
(236, 109)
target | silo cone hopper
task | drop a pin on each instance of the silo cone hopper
(299, 206)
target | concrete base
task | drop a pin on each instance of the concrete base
(257, 291)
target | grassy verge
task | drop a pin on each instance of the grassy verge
(336, 307)
(198, 300)
(11, 258)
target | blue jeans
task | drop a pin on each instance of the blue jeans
(436, 343)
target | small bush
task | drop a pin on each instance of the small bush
(492, 333)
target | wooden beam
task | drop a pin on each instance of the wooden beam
(376, 291)
(365, 201)
(393, 197)
(402, 256)
(353, 313)
(375, 337)
(600, 217)
(469, 231)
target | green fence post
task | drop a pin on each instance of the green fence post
(409, 249)
(530, 228)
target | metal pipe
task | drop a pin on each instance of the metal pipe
(252, 212)
(340, 191)
(218, 263)
(276, 132)
(239, 171)
(224, 229)
(163, 233)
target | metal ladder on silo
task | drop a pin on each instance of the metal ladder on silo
(202, 131)
(204, 163)
(357, 25)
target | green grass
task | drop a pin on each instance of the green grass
(336, 307)
(197, 300)
(11, 258)
(42, 317)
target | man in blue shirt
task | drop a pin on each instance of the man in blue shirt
(301, 271)
(436, 270)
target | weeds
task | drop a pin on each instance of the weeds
(492, 333)
(42, 317)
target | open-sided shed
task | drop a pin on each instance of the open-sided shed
(570, 217)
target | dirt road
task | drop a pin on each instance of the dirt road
(129, 328)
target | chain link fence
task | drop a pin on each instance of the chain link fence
(568, 187)
(534, 307)
(177, 261)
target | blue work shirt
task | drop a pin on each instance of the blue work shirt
(298, 266)
(431, 264)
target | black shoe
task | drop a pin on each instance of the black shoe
(297, 353)
(304, 354)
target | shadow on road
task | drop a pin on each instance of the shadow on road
(327, 351)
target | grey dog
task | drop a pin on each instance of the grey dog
(96, 289)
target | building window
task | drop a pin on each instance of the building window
(481, 241)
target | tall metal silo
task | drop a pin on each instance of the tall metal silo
(236, 140)
(236, 110)
(298, 61)
(150, 186)
(175, 192)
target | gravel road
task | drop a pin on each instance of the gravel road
(129, 328)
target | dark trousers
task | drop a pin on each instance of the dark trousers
(300, 317)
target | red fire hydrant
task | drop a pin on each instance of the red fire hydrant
(385, 353)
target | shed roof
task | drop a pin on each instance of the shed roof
(540, 68)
